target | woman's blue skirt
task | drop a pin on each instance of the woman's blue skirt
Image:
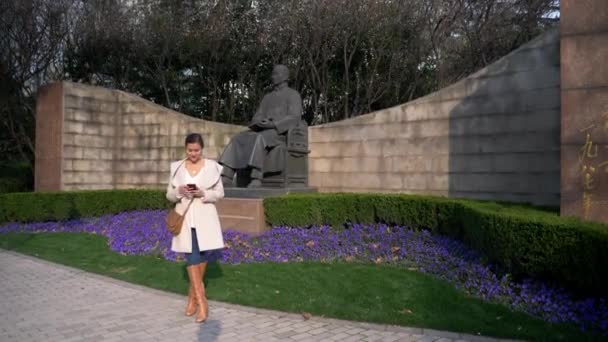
(197, 257)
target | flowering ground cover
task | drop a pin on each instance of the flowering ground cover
(144, 233)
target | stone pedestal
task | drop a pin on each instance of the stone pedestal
(584, 105)
(245, 215)
(242, 209)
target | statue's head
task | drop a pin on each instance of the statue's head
(280, 74)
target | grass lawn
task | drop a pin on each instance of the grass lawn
(372, 293)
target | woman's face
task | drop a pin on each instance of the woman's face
(194, 152)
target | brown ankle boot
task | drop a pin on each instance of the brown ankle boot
(194, 273)
(191, 307)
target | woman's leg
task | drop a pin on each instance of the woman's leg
(191, 306)
(202, 268)
(194, 273)
(193, 261)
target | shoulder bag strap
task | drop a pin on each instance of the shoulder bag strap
(173, 176)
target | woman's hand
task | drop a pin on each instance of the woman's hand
(197, 193)
(183, 190)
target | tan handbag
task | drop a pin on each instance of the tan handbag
(173, 219)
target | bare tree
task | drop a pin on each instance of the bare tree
(34, 33)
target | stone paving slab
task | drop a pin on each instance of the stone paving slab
(44, 301)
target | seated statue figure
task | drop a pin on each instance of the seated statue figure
(256, 149)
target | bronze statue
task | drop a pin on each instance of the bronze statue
(255, 150)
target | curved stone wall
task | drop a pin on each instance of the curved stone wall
(493, 135)
(95, 138)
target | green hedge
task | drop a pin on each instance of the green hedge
(49, 206)
(523, 240)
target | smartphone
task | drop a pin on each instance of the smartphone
(192, 187)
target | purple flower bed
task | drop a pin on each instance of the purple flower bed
(144, 232)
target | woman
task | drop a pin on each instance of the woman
(195, 185)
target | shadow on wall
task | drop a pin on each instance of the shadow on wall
(504, 134)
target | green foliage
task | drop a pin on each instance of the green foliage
(36, 207)
(523, 240)
(338, 209)
(15, 177)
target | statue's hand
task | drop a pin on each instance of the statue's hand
(262, 125)
(267, 124)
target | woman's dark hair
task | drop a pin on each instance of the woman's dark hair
(195, 138)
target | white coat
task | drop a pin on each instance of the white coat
(202, 213)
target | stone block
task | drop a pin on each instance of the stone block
(73, 152)
(94, 186)
(73, 127)
(91, 104)
(361, 180)
(320, 164)
(139, 166)
(440, 164)
(365, 164)
(584, 111)
(242, 215)
(534, 121)
(171, 153)
(76, 127)
(509, 103)
(521, 183)
(583, 16)
(437, 182)
(90, 165)
(414, 181)
(77, 115)
(544, 142)
(584, 185)
(132, 119)
(135, 154)
(315, 179)
(68, 164)
(140, 178)
(141, 130)
(407, 164)
(583, 59)
(97, 153)
(79, 90)
(347, 180)
(96, 141)
(80, 178)
(526, 162)
(85, 116)
(425, 146)
(134, 107)
(213, 152)
(107, 130)
(471, 163)
(343, 148)
(143, 141)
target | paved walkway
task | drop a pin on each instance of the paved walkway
(43, 301)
